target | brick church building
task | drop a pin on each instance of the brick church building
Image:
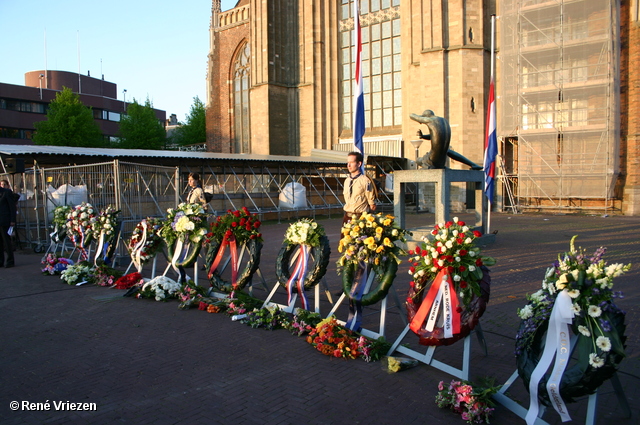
(568, 91)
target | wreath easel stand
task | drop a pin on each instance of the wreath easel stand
(427, 358)
(590, 419)
(291, 307)
(383, 308)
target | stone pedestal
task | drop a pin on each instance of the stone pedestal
(442, 179)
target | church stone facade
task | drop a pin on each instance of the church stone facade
(280, 79)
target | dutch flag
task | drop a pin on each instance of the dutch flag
(358, 92)
(490, 146)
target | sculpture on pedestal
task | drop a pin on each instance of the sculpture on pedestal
(440, 136)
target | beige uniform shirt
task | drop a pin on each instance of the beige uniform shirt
(196, 196)
(358, 194)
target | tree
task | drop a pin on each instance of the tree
(194, 130)
(69, 123)
(140, 128)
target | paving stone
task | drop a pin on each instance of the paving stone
(147, 362)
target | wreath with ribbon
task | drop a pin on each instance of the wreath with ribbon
(576, 296)
(368, 245)
(106, 229)
(59, 223)
(234, 230)
(303, 239)
(451, 284)
(184, 231)
(145, 242)
(80, 222)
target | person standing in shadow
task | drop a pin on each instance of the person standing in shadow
(7, 223)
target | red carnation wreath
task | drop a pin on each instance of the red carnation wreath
(451, 285)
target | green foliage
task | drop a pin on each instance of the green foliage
(193, 131)
(68, 123)
(140, 128)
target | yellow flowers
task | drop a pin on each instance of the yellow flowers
(371, 238)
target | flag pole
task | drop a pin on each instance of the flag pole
(358, 91)
(491, 147)
(493, 81)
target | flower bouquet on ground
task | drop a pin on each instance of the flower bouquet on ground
(106, 228)
(80, 221)
(269, 318)
(129, 281)
(161, 288)
(184, 231)
(577, 294)
(334, 340)
(145, 242)
(78, 274)
(239, 304)
(104, 275)
(331, 339)
(370, 243)
(59, 223)
(234, 230)
(190, 295)
(304, 321)
(394, 364)
(450, 287)
(473, 402)
(54, 265)
(304, 240)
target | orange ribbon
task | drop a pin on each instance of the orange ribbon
(427, 303)
(231, 242)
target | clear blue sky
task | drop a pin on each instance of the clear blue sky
(152, 48)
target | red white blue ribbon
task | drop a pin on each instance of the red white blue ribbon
(296, 281)
(357, 292)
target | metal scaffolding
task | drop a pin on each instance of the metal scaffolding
(559, 102)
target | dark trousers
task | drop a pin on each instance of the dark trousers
(6, 247)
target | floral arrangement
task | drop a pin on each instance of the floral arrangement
(129, 281)
(240, 223)
(60, 215)
(270, 318)
(59, 223)
(304, 321)
(398, 364)
(472, 402)
(106, 222)
(152, 241)
(588, 280)
(190, 295)
(161, 288)
(187, 222)
(304, 232)
(452, 248)
(371, 239)
(211, 305)
(54, 265)
(77, 273)
(331, 339)
(103, 275)
(80, 224)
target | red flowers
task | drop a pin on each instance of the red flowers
(128, 280)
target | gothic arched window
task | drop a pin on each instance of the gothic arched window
(241, 70)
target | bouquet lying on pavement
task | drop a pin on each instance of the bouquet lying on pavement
(397, 364)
